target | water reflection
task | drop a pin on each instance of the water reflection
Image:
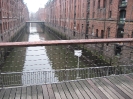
(36, 57)
(37, 60)
(37, 64)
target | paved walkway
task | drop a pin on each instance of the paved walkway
(114, 87)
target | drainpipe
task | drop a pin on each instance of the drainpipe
(105, 16)
(130, 21)
(117, 19)
(87, 21)
(74, 17)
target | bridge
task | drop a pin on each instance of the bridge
(35, 21)
(95, 82)
(38, 22)
(113, 87)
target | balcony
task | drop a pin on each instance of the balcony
(121, 23)
(123, 5)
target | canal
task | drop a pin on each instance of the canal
(38, 59)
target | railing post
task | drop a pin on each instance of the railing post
(88, 72)
(45, 72)
(107, 74)
(67, 75)
(1, 80)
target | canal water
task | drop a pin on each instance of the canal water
(40, 58)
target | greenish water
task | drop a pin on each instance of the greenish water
(40, 58)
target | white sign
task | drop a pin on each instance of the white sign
(78, 53)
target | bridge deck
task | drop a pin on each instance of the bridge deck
(114, 87)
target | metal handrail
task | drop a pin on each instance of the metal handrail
(66, 69)
(62, 75)
(65, 42)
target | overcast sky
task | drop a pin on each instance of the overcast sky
(34, 5)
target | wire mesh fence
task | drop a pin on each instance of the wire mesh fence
(29, 63)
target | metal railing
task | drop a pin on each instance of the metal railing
(42, 62)
(63, 75)
(122, 21)
(123, 3)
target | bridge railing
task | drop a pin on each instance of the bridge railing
(13, 79)
(27, 63)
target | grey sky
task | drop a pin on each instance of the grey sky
(34, 5)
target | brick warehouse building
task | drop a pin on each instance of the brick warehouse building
(92, 18)
(13, 14)
(85, 19)
(40, 14)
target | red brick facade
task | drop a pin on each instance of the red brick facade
(92, 18)
(13, 14)
(40, 14)
(86, 19)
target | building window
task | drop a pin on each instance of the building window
(1, 38)
(94, 3)
(82, 26)
(93, 16)
(96, 32)
(102, 33)
(92, 30)
(123, 2)
(110, 14)
(78, 27)
(74, 33)
(120, 33)
(104, 3)
(93, 34)
(108, 32)
(132, 35)
(110, 1)
(122, 16)
(98, 4)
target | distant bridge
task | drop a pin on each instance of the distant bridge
(35, 21)
(38, 22)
